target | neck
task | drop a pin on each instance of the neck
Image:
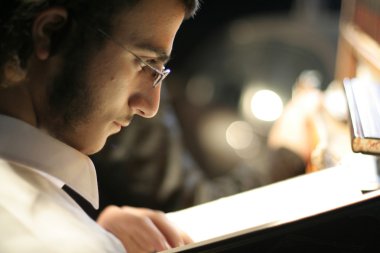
(16, 102)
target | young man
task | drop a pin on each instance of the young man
(72, 73)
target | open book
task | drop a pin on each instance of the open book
(275, 204)
(363, 99)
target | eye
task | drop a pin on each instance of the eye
(141, 63)
(156, 64)
(147, 64)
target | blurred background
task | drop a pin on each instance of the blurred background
(234, 67)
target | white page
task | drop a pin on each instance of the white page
(366, 95)
(283, 201)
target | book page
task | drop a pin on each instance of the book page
(287, 200)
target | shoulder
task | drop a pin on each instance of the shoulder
(37, 216)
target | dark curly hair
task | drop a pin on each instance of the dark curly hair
(17, 16)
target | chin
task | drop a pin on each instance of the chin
(94, 148)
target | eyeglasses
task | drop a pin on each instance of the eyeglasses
(158, 75)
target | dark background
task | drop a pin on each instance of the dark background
(216, 14)
(204, 46)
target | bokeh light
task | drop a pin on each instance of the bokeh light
(266, 105)
(239, 135)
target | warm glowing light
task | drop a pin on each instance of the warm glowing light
(266, 105)
(239, 135)
(365, 73)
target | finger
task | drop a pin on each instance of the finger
(137, 239)
(186, 238)
(134, 229)
(134, 246)
(171, 233)
(150, 235)
(145, 233)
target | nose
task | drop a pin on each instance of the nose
(146, 103)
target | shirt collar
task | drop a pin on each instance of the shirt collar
(27, 145)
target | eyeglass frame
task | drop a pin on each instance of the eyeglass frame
(161, 74)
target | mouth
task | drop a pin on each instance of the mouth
(121, 124)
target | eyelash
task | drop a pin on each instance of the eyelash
(153, 63)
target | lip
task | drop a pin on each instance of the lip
(121, 124)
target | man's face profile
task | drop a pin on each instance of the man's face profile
(90, 93)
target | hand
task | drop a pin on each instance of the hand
(141, 229)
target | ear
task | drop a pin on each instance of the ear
(45, 25)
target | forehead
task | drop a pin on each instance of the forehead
(150, 22)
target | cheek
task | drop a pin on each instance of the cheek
(92, 134)
(111, 85)
(112, 94)
(109, 106)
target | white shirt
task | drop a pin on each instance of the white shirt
(36, 215)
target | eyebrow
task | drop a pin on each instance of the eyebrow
(161, 55)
